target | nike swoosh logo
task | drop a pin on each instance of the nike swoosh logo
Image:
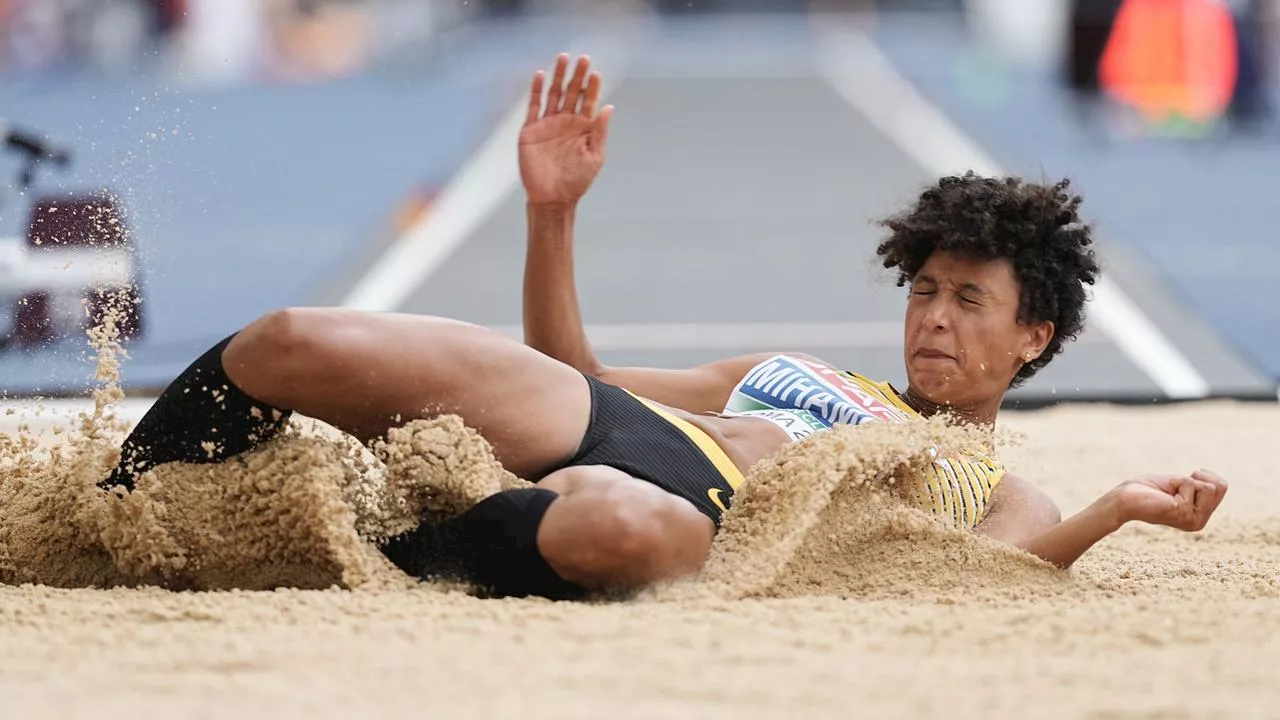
(714, 494)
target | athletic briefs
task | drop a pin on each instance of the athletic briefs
(643, 439)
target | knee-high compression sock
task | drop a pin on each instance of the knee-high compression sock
(201, 417)
(494, 546)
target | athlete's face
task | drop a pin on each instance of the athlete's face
(963, 340)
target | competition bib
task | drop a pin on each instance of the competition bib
(832, 397)
(802, 398)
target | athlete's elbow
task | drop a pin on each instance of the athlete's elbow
(621, 377)
(581, 360)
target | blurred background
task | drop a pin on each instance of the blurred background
(206, 161)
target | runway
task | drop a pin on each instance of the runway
(736, 212)
(748, 161)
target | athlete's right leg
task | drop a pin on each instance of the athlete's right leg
(363, 373)
(366, 372)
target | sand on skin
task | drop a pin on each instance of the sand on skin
(893, 615)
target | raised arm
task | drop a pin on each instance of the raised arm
(561, 152)
(553, 326)
(1023, 516)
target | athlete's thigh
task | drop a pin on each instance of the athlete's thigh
(534, 410)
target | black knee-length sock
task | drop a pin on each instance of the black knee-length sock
(201, 417)
(494, 546)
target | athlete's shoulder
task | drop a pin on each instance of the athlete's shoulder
(829, 370)
(860, 378)
(880, 387)
(982, 458)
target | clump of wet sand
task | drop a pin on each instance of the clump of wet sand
(304, 510)
(48, 521)
(842, 515)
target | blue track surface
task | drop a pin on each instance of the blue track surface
(248, 199)
(252, 198)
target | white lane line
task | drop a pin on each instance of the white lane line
(869, 83)
(645, 337)
(470, 198)
(49, 412)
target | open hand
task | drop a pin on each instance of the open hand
(1182, 502)
(562, 148)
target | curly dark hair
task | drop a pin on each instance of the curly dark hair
(1037, 228)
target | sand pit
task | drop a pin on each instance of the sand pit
(842, 600)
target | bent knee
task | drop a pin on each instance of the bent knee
(625, 537)
(628, 533)
(280, 348)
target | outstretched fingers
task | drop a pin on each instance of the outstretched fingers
(576, 85)
(535, 98)
(591, 98)
(557, 84)
(579, 95)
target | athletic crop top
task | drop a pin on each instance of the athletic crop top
(803, 397)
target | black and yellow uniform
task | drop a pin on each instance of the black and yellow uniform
(643, 439)
(493, 544)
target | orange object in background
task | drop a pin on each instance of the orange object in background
(412, 209)
(1172, 58)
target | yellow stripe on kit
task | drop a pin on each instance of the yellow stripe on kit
(709, 447)
(959, 488)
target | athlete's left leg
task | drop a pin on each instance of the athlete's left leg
(587, 527)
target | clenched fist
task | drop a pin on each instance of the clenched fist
(1177, 501)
